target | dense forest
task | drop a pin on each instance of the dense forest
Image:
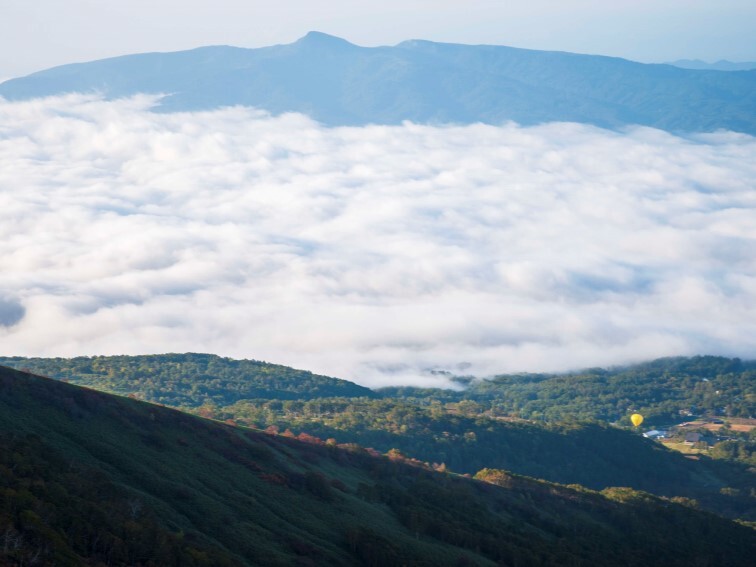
(189, 379)
(667, 390)
(480, 427)
(592, 454)
(89, 478)
(664, 391)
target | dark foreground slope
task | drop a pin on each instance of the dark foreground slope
(88, 478)
(460, 433)
(592, 454)
(339, 83)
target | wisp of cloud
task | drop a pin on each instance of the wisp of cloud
(374, 253)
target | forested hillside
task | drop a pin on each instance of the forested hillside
(665, 390)
(88, 478)
(189, 379)
(592, 454)
(444, 428)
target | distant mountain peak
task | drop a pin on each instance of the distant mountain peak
(414, 42)
(316, 38)
(721, 65)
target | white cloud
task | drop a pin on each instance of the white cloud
(370, 253)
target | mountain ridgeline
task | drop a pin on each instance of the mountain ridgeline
(88, 478)
(662, 390)
(339, 83)
(721, 65)
(190, 380)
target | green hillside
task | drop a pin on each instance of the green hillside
(463, 435)
(189, 379)
(664, 390)
(592, 454)
(660, 389)
(87, 478)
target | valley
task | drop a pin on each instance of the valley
(462, 431)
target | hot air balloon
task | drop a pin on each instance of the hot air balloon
(637, 419)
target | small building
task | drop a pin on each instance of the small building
(655, 434)
(691, 438)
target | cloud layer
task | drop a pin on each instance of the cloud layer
(370, 253)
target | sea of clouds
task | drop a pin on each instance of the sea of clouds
(374, 253)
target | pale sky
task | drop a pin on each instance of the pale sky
(43, 33)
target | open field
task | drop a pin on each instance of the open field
(684, 448)
(741, 424)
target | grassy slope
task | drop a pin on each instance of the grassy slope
(230, 488)
(592, 455)
(222, 495)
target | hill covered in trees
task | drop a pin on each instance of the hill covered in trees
(89, 478)
(664, 390)
(592, 454)
(463, 431)
(189, 379)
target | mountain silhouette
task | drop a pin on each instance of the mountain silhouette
(338, 83)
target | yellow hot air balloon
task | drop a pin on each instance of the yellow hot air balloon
(637, 419)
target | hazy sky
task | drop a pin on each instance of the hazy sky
(42, 33)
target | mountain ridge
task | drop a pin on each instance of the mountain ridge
(342, 84)
(721, 65)
(218, 378)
